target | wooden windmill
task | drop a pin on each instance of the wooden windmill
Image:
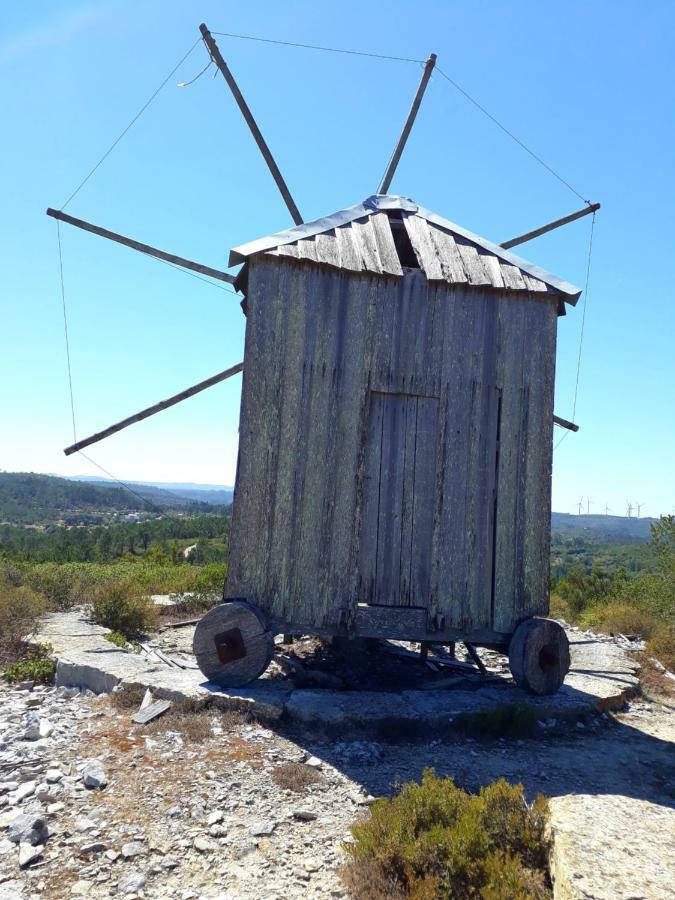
(394, 467)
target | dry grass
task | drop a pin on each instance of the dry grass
(129, 697)
(366, 882)
(193, 727)
(292, 776)
(654, 684)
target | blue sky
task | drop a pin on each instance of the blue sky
(588, 86)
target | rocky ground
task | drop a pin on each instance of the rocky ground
(205, 804)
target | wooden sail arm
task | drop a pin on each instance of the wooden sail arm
(217, 57)
(530, 235)
(151, 410)
(190, 392)
(563, 423)
(143, 248)
(410, 121)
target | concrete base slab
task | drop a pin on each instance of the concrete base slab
(603, 676)
(610, 847)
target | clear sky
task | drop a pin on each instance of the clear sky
(590, 87)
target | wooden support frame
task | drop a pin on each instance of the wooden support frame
(531, 235)
(217, 57)
(412, 115)
(151, 410)
(143, 248)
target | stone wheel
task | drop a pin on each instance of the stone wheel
(539, 656)
(232, 644)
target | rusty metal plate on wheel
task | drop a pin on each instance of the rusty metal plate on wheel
(230, 645)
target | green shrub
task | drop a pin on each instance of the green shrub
(434, 841)
(35, 665)
(58, 584)
(207, 590)
(20, 608)
(121, 607)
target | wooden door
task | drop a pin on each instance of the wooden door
(398, 500)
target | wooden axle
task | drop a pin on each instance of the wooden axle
(410, 121)
(217, 57)
(151, 410)
(143, 248)
(530, 235)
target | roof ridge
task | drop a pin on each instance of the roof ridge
(389, 202)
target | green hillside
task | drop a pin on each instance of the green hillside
(30, 499)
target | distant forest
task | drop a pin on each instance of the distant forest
(107, 544)
(29, 499)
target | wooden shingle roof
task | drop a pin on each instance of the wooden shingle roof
(375, 235)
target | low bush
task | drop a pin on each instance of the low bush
(20, 608)
(434, 841)
(35, 665)
(121, 607)
(59, 584)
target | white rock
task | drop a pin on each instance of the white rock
(94, 776)
(53, 776)
(28, 854)
(204, 844)
(133, 848)
(314, 762)
(131, 883)
(215, 817)
(262, 829)
(83, 824)
(25, 790)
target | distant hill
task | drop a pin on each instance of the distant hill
(205, 493)
(27, 498)
(602, 529)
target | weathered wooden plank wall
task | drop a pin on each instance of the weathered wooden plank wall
(472, 371)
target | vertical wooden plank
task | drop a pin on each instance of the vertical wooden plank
(327, 249)
(351, 422)
(513, 344)
(384, 240)
(270, 284)
(408, 507)
(350, 257)
(538, 374)
(387, 591)
(425, 249)
(299, 334)
(371, 500)
(312, 602)
(448, 254)
(455, 332)
(425, 455)
(363, 237)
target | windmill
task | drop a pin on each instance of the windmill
(629, 508)
(580, 506)
(639, 507)
(607, 510)
(362, 458)
(589, 503)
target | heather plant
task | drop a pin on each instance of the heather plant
(434, 841)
